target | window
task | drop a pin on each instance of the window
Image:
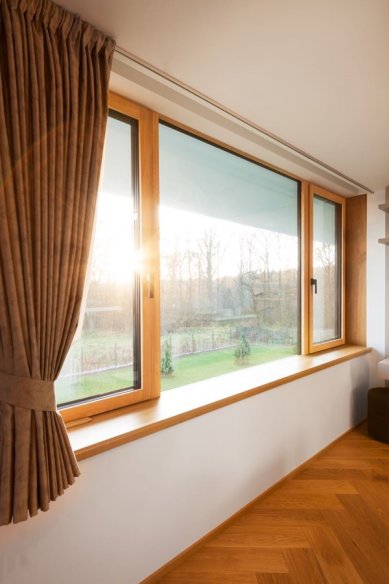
(204, 262)
(111, 361)
(326, 264)
(105, 355)
(229, 261)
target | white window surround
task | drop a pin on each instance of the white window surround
(146, 85)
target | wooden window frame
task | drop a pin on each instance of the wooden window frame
(149, 277)
(148, 140)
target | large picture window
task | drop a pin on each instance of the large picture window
(229, 261)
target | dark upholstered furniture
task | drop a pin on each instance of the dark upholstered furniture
(378, 413)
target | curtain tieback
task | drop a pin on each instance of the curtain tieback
(25, 392)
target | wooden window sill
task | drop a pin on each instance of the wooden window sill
(106, 431)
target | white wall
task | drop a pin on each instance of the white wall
(137, 506)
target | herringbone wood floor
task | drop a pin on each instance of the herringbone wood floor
(327, 524)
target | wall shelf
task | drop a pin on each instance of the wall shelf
(385, 208)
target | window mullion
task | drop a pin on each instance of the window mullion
(149, 244)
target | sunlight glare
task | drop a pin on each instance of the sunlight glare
(115, 259)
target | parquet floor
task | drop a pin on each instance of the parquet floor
(327, 524)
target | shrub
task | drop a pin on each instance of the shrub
(242, 350)
(167, 360)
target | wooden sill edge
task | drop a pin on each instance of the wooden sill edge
(111, 429)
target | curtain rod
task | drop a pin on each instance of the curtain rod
(238, 117)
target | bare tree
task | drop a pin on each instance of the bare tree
(209, 249)
(255, 273)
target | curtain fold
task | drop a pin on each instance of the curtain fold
(54, 72)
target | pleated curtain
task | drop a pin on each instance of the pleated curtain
(54, 72)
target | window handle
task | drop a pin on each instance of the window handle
(150, 285)
(314, 283)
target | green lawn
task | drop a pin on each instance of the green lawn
(204, 365)
(70, 389)
(187, 369)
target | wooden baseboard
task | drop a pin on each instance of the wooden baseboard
(181, 557)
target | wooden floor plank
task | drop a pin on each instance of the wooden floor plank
(273, 579)
(261, 517)
(211, 578)
(334, 562)
(376, 497)
(365, 548)
(378, 475)
(357, 512)
(364, 450)
(317, 487)
(301, 500)
(303, 567)
(330, 461)
(226, 560)
(343, 474)
(327, 524)
(261, 536)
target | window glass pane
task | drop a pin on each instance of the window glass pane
(326, 270)
(229, 261)
(102, 357)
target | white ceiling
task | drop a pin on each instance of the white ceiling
(314, 72)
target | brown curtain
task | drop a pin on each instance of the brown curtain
(54, 72)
